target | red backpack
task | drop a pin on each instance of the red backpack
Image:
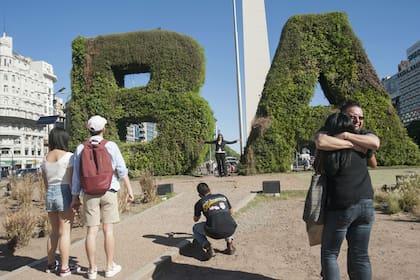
(95, 168)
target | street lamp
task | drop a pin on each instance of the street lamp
(60, 90)
(60, 109)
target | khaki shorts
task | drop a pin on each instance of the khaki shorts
(100, 208)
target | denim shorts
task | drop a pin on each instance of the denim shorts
(58, 198)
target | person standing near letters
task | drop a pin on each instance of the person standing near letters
(345, 151)
(101, 207)
(220, 153)
(57, 170)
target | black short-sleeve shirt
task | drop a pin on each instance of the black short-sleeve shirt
(216, 209)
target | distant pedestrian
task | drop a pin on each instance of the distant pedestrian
(219, 222)
(221, 153)
(57, 170)
(100, 207)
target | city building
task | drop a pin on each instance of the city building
(404, 87)
(143, 132)
(26, 95)
(391, 84)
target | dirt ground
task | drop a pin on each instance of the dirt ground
(271, 243)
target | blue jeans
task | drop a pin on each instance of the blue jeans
(355, 224)
(199, 234)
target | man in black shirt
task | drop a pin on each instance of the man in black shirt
(219, 221)
(350, 212)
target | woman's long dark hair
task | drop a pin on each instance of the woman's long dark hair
(58, 139)
(333, 161)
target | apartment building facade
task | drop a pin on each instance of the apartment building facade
(26, 94)
(143, 132)
(404, 87)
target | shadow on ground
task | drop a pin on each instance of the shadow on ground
(194, 250)
(177, 271)
(171, 239)
(10, 262)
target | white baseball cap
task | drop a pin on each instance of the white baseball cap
(96, 123)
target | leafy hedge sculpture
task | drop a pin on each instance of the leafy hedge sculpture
(320, 48)
(170, 99)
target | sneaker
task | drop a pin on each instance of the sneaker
(73, 268)
(209, 251)
(52, 268)
(92, 274)
(230, 250)
(115, 269)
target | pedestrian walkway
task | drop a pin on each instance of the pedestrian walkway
(145, 240)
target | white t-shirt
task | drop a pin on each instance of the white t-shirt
(57, 172)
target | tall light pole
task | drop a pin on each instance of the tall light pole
(238, 77)
(62, 118)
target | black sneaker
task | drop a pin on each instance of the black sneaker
(209, 251)
(52, 268)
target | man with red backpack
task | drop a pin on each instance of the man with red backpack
(98, 166)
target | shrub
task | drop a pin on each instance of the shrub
(388, 202)
(44, 225)
(394, 204)
(42, 191)
(410, 195)
(405, 196)
(22, 190)
(123, 205)
(148, 186)
(78, 219)
(19, 227)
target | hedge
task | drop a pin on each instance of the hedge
(320, 48)
(170, 99)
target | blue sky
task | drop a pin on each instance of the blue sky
(44, 30)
